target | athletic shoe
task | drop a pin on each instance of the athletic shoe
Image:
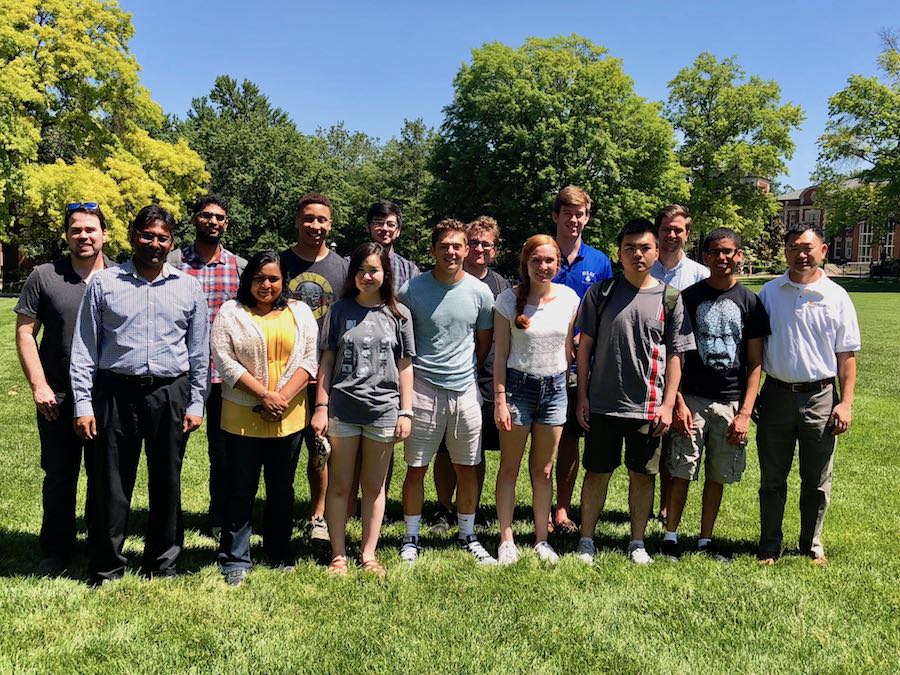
(586, 550)
(235, 577)
(443, 521)
(638, 554)
(409, 549)
(671, 550)
(507, 553)
(473, 546)
(318, 529)
(713, 552)
(52, 567)
(546, 553)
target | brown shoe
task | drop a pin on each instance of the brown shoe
(818, 560)
(338, 566)
(373, 566)
(766, 558)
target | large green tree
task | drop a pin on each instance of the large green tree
(76, 125)
(526, 121)
(858, 173)
(734, 130)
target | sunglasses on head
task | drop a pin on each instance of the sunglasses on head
(81, 205)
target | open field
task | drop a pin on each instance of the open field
(447, 615)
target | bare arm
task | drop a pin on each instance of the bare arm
(663, 418)
(842, 415)
(740, 425)
(583, 372)
(502, 330)
(483, 339)
(27, 330)
(404, 424)
(319, 421)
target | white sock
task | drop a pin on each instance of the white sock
(466, 524)
(636, 543)
(412, 525)
(670, 536)
(703, 541)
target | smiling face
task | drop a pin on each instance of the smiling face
(638, 252)
(211, 223)
(84, 235)
(722, 258)
(482, 248)
(152, 244)
(384, 230)
(266, 284)
(370, 275)
(570, 221)
(543, 264)
(804, 253)
(673, 234)
(449, 252)
(313, 225)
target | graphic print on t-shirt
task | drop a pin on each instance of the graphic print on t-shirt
(314, 290)
(719, 332)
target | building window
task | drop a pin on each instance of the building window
(888, 244)
(865, 242)
(793, 216)
(848, 247)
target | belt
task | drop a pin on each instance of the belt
(805, 387)
(139, 380)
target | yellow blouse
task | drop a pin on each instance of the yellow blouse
(280, 332)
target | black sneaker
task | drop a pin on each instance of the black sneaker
(713, 552)
(235, 577)
(670, 549)
(443, 521)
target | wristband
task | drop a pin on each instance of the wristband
(405, 413)
(321, 405)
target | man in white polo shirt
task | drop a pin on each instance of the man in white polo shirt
(815, 337)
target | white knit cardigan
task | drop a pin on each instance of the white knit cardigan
(238, 346)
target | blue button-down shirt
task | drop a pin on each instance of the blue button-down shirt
(132, 326)
(589, 267)
(686, 273)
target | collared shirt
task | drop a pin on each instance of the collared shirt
(811, 324)
(219, 278)
(589, 267)
(685, 273)
(403, 270)
(132, 326)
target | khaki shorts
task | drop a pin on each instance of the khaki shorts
(440, 414)
(725, 462)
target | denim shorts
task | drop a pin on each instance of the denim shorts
(535, 399)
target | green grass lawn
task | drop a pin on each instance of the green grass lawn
(445, 614)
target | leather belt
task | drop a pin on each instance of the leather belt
(139, 380)
(802, 387)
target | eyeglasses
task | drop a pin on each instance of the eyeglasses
(148, 237)
(385, 224)
(81, 205)
(485, 245)
(716, 252)
(207, 216)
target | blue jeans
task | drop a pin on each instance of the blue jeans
(535, 399)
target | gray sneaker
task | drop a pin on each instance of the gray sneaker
(235, 577)
(507, 553)
(409, 549)
(318, 529)
(473, 546)
(546, 553)
(638, 554)
(586, 550)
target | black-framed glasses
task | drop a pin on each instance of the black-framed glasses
(209, 215)
(385, 224)
(485, 245)
(81, 205)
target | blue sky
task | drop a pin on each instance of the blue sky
(372, 64)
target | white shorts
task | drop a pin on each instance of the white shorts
(373, 432)
(454, 416)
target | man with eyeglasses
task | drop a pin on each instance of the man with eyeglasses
(815, 337)
(582, 266)
(384, 222)
(50, 300)
(483, 235)
(218, 270)
(316, 275)
(140, 360)
(719, 383)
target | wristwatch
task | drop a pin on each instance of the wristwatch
(405, 413)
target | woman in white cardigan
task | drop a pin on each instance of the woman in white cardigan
(264, 346)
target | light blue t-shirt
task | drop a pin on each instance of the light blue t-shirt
(445, 318)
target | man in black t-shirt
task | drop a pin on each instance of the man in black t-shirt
(719, 383)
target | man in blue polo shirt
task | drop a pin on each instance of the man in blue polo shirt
(582, 267)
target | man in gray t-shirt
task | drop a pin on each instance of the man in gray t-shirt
(633, 332)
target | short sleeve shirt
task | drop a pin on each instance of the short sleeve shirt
(723, 322)
(318, 283)
(497, 284)
(52, 295)
(445, 318)
(367, 342)
(686, 273)
(634, 340)
(589, 267)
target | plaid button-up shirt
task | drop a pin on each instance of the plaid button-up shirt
(219, 279)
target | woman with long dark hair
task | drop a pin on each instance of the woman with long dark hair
(264, 346)
(364, 396)
(533, 349)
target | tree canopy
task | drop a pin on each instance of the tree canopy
(525, 122)
(734, 130)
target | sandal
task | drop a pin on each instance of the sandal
(373, 566)
(567, 527)
(338, 566)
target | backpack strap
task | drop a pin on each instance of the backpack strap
(670, 300)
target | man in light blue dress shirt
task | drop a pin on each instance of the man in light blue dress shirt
(139, 366)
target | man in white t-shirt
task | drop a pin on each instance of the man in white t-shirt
(815, 337)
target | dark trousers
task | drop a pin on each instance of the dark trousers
(215, 439)
(61, 451)
(247, 456)
(128, 414)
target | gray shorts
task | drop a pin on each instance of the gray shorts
(374, 432)
(725, 462)
(441, 414)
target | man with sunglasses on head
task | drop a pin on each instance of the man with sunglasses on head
(139, 367)
(218, 270)
(50, 300)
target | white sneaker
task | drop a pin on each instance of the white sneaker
(638, 555)
(409, 549)
(507, 553)
(546, 553)
(473, 546)
(586, 550)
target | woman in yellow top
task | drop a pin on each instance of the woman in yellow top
(264, 346)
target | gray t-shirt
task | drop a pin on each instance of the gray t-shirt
(629, 367)
(445, 318)
(367, 342)
(318, 283)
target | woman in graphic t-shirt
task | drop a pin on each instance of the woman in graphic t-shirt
(533, 346)
(364, 396)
